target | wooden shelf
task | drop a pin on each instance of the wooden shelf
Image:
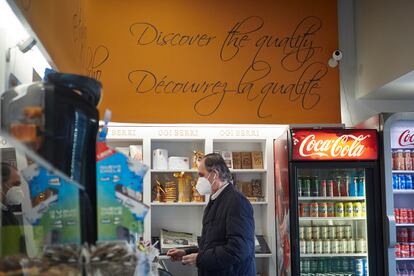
(336, 198)
(330, 218)
(333, 255)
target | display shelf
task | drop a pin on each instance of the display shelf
(174, 171)
(337, 198)
(403, 172)
(175, 204)
(333, 255)
(258, 202)
(248, 170)
(330, 218)
(403, 192)
(404, 259)
(261, 255)
(405, 225)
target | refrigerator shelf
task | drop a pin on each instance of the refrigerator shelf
(404, 192)
(403, 172)
(333, 255)
(404, 259)
(336, 198)
(405, 225)
(330, 218)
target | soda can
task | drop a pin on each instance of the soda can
(322, 188)
(360, 246)
(304, 209)
(403, 215)
(306, 266)
(306, 187)
(401, 178)
(359, 267)
(405, 250)
(361, 186)
(308, 233)
(302, 244)
(318, 247)
(321, 267)
(322, 209)
(395, 182)
(300, 186)
(411, 235)
(324, 232)
(330, 206)
(402, 235)
(397, 215)
(365, 266)
(408, 182)
(343, 245)
(346, 265)
(301, 232)
(310, 247)
(357, 209)
(398, 250)
(410, 215)
(331, 232)
(313, 266)
(347, 232)
(313, 212)
(350, 248)
(326, 246)
(330, 188)
(339, 209)
(348, 209)
(335, 246)
(344, 186)
(340, 232)
(316, 233)
(411, 249)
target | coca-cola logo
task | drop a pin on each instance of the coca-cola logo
(406, 138)
(346, 145)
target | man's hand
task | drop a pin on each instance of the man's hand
(176, 254)
(190, 259)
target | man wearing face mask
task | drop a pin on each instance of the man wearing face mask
(11, 194)
(227, 240)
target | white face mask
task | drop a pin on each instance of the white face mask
(203, 186)
(14, 196)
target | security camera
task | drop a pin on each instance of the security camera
(26, 45)
(337, 55)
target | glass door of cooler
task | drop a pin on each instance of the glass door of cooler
(332, 217)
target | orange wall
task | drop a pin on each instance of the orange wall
(272, 70)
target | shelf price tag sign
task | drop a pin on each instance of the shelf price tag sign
(334, 144)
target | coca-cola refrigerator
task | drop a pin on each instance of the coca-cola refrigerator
(335, 203)
(396, 133)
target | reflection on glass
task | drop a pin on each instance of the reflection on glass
(332, 221)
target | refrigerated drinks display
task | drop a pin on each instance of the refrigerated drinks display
(334, 175)
(397, 147)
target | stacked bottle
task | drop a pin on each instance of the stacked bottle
(334, 266)
(402, 160)
(405, 270)
(331, 209)
(330, 239)
(311, 186)
(403, 215)
(405, 243)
